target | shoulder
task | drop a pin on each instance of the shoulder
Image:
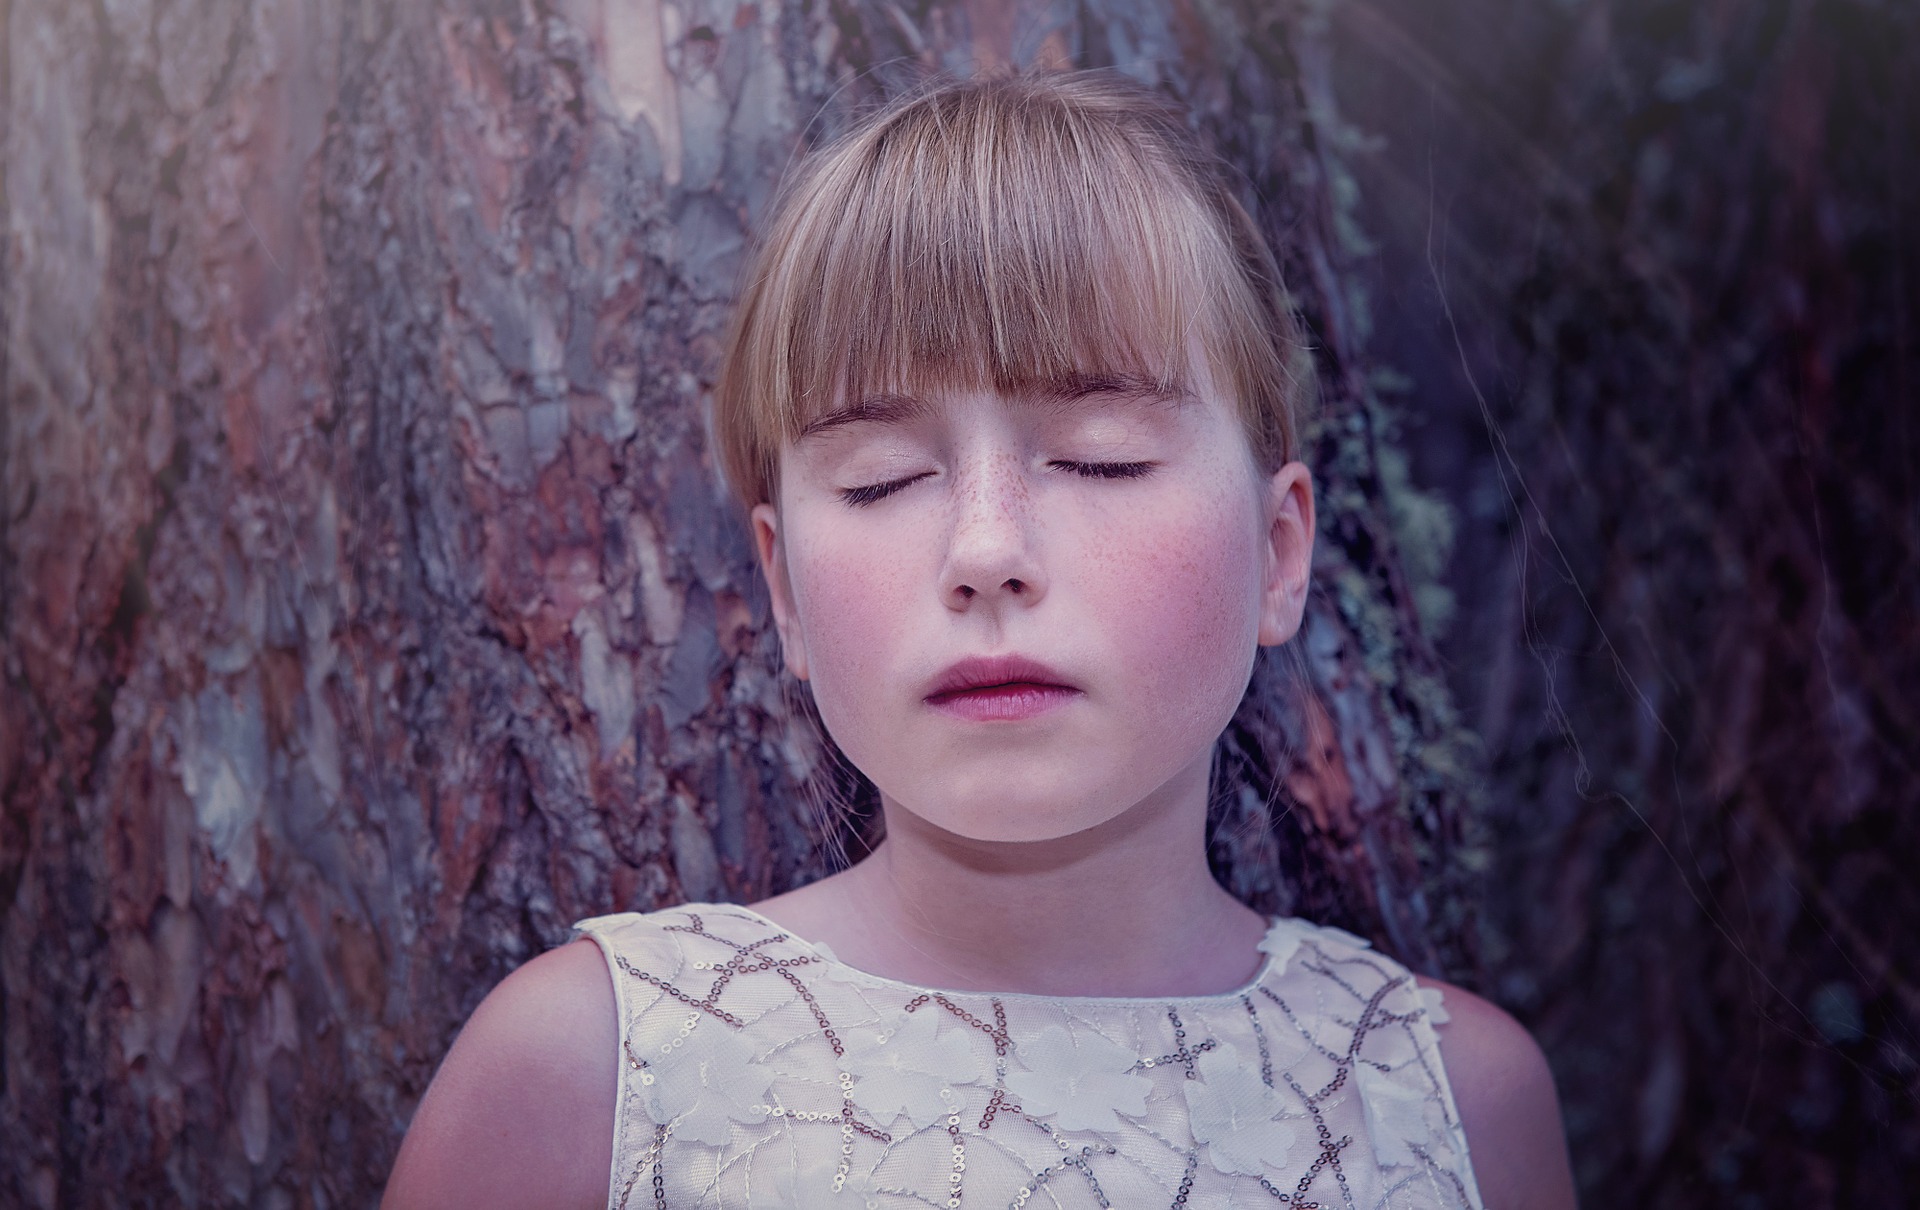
(1508, 1107)
(521, 1112)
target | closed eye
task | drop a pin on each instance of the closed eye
(1106, 470)
(871, 492)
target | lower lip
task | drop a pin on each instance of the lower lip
(1003, 703)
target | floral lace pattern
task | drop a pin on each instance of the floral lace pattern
(759, 1071)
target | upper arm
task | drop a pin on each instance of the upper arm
(1508, 1108)
(521, 1111)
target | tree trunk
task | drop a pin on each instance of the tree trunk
(1655, 270)
(369, 608)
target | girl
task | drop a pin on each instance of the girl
(1010, 400)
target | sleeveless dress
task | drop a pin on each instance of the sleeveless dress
(759, 1071)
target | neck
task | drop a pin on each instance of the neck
(1128, 908)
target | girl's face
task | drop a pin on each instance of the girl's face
(1023, 617)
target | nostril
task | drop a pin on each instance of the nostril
(1016, 586)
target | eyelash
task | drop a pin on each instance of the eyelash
(859, 496)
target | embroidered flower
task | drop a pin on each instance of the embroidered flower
(1436, 1003)
(836, 971)
(705, 1081)
(903, 1071)
(1081, 1082)
(798, 1175)
(1282, 942)
(1234, 1114)
(1397, 1115)
(821, 948)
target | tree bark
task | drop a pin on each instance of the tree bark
(1652, 269)
(370, 609)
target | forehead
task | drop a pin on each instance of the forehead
(1068, 394)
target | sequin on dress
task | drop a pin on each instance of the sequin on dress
(759, 1071)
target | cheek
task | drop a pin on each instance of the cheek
(850, 606)
(1184, 603)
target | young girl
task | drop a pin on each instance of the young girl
(1011, 402)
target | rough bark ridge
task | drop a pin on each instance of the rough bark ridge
(370, 611)
(1652, 268)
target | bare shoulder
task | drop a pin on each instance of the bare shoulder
(521, 1111)
(1507, 1104)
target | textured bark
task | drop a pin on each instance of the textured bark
(370, 609)
(1652, 269)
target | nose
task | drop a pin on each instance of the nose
(992, 556)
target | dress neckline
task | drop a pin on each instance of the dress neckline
(1274, 947)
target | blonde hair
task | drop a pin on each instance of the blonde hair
(1013, 232)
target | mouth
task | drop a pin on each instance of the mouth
(979, 673)
(999, 689)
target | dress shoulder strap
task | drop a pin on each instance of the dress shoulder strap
(670, 969)
(1371, 1017)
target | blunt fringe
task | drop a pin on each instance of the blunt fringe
(1006, 232)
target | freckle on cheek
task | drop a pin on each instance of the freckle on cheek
(1194, 620)
(847, 606)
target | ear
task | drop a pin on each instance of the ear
(1289, 553)
(772, 552)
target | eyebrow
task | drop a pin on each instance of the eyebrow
(890, 408)
(1073, 388)
(871, 409)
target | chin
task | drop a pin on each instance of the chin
(990, 809)
(999, 828)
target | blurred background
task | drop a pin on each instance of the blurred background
(1649, 272)
(369, 611)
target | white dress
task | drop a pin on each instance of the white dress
(759, 1071)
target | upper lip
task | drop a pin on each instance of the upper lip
(979, 672)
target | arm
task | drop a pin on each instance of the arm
(521, 1112)
(1507, 1105)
